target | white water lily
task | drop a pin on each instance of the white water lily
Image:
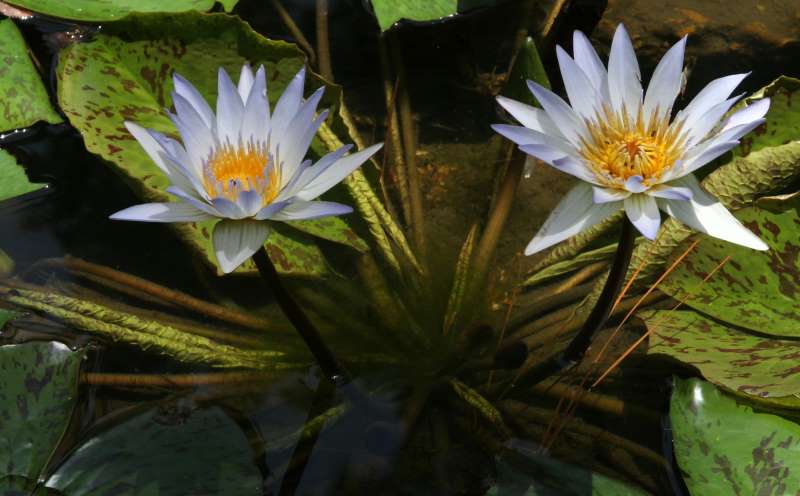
(243, 165)
(623, 146)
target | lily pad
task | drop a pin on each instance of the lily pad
(126, 74)
(162, 453)
(38, 391)
(523, 471)
(13, 181)
(746, 363)
(389, 12)
(111, 10)
(757, 290)
(783, 118)
(725, 447)
(23, 98)
(527, 66)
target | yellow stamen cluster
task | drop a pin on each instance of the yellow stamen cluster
(232, 169)
(619, 146)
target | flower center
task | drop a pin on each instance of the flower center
(619, 147)
(229, 170)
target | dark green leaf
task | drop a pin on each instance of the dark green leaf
(111, 10)
(163, 453)
(389, 12)
(38, 391)
(527, 66)
(724, 447)
(13, 181)
(23, 96)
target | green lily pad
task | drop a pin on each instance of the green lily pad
(23, 98)
(725, 447)
(527, 66)
(746, 363)
(162, 453)
(13, 181)
(38, 391)
(756, 290)
(783, 118)
(389, 12)
(112, 10)
(126, 74)
(523, 471)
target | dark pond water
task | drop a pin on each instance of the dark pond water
(446, 417)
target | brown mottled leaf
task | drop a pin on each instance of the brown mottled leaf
(747, 363)
(726, 447)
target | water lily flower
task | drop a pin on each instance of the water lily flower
(243, 165)
(624, 147)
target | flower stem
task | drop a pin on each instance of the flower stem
(323, 44)
(323, 355)
(605, 303)
(295, 31)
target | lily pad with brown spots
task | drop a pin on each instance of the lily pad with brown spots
(759, 291)
(112, 10)
(726, 447)
(38, 391)
(126, 74)
(743, 362)
(783, 117)
(23, 98)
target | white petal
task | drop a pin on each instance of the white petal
(236, 241)
(545, 153)
(577, 168)
(245, 82)
(191, 198)
(197, 139)
(306, 173)
(230, 109)
(665, 83)
(524, 136)
(249, 201)
(155, 145)
(634, 184)
(336, 172)
(530, 117)
(605, 195)
(707, 215)
(185, 177)
(670, 191)
(304, 210)
(587, 59)
(287, 106)
(162, 212)
(270, 210)
(256, 118)
(565, 119)
(298, 136)
(752, 113)
(624, 78)
(642, 211)
(582, 95)
(185, 89)
(715, 92)
(698, 129)
(228, 209)
(574, 213)
(704, 155)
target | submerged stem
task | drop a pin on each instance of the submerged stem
(323, 45)
(323, 355)
(295, 31)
